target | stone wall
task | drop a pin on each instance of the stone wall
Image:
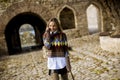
(46, 10)
(52, 8)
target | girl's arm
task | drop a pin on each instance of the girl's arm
(68, 66)
(46, 40)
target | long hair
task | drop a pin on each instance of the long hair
(56, 22)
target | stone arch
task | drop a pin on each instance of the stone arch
(99, 18)
(12, 13)
(12, 32)
(70, 11)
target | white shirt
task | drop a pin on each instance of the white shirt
(56, 62)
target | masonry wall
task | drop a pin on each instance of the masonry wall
(52, 8)
(46, 10)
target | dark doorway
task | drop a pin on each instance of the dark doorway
(12, 32)
(67, 19)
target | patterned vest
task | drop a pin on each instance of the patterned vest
(58, 44)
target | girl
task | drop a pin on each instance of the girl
(56, 42)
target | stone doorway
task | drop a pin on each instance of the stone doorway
(67, 19)
(93, 19)
(12, 32)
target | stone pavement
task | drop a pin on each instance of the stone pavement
(89, 62)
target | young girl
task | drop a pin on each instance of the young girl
(56, 42)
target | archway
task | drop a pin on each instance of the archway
(27, 36)
(67, 19)
(93, 19)
(12, 32)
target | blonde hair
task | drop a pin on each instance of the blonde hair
(56, 22)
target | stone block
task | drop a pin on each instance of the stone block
(110, 44)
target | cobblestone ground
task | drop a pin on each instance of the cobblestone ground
(88, 60)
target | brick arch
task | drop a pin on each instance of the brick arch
(22, 7)
(70, 8)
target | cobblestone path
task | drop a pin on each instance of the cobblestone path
(88, 60)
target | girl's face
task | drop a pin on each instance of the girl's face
(53, 27)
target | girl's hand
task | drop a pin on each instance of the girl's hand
(68, 66)
(47, 29)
